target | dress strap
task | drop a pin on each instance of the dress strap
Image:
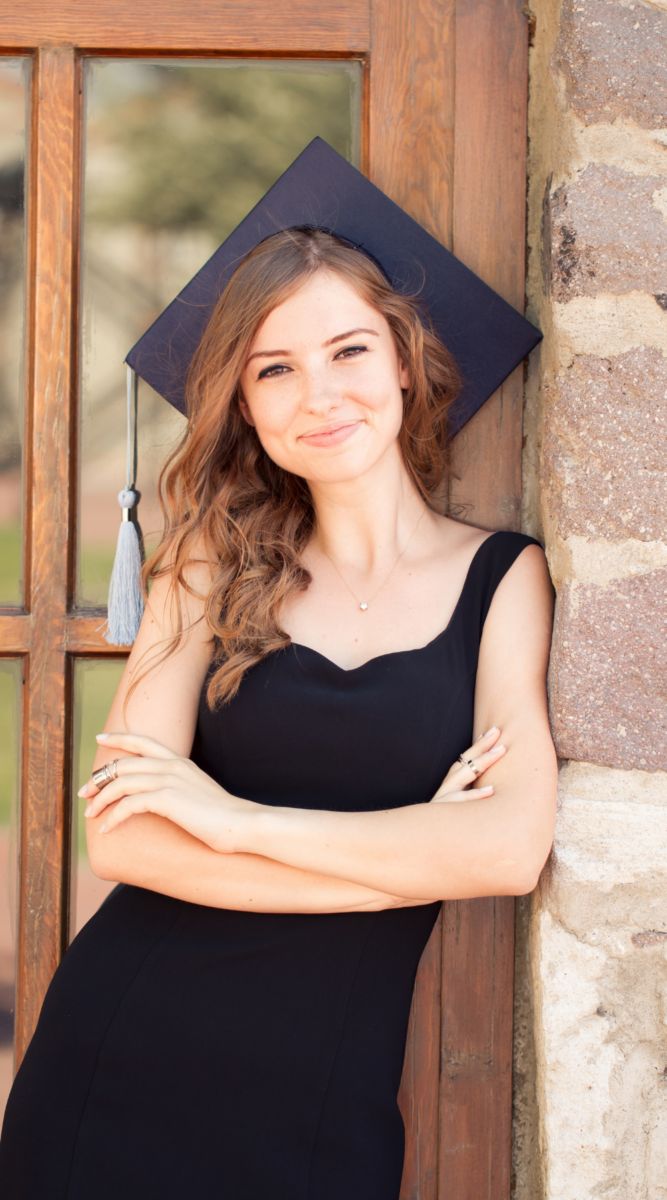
(493, 560)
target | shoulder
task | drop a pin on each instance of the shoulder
(189, 585)
(515, 643)
(519, 575)
(501, 545)
(510, 572)
(520, 605)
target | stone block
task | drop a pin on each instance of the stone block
(597, 959)
(607, 672)
(612, 56)
(602, 465)
(607, 234)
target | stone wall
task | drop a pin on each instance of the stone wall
(591, 1002)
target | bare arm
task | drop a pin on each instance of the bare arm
(152, 852)
(487, 847)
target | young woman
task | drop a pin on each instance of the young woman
(326, 666)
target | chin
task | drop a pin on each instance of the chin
(344, 469)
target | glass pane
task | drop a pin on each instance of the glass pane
(10, 723)
(176, 153)
(95, 684)
(13, 124)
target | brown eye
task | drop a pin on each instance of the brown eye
(266, 373)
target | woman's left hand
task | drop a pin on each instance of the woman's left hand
(151, 778)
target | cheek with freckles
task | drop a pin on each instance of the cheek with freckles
(275, 434)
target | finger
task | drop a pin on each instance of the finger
(130, 764)
(481, 760)
(129, 805)
(91, 788)
(457, 797)
(481, 745)
(487, 738)
(129, 785)
(135, 743)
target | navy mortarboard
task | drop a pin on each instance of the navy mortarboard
(487, 336)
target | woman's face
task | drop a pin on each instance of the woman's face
(322, 382)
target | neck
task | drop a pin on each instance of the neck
(364, 523)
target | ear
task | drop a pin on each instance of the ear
(245, 411)
(404, 374)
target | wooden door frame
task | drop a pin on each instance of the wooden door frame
(444, 134)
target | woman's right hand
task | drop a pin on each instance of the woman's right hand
(485, 752)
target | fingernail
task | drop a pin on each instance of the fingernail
(104, 828)
(82, 790)
(87, 811)
(101, 737)
(493, 729)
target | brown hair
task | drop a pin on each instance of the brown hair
(220, 489)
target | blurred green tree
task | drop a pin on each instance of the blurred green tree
(195, 146)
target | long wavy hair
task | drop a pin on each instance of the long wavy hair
(219, 489)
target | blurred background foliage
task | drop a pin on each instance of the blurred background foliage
(201, 143)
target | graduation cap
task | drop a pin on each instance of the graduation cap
(487, 337)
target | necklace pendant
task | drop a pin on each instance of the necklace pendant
(363, 605)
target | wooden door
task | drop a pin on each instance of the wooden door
(441, 127)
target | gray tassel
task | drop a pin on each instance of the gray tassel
(126, 604)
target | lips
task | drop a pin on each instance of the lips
(332, 436)
(325, 430)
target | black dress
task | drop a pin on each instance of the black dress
(184, 1050)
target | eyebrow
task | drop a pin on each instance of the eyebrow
(338, 338)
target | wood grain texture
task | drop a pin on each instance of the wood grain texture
(489, 236)
(409, 154)
(52, 218)
(195, 26)
(476, 1041)
(491, 79)
(411, 108)
(15, 632)
(447, 137)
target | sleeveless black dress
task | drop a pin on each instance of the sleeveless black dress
(184, 1050)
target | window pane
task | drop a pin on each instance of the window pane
(95, 684)
(10, 723)
(13, 101)
(176, 153)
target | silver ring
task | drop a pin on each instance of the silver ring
(469, 762)
(103, 775)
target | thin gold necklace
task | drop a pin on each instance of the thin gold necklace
(363, 604)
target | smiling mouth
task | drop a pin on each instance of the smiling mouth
(327, 432)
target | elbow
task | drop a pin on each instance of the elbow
(520, 874)
(524, 886)
(527, 880)
(99, 866)
(99, 862)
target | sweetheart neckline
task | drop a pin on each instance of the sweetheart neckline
(412, 649)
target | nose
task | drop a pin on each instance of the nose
(318, 392)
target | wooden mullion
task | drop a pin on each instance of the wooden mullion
(15, 633)
(52, 251)
(488, 235)
(410, 113)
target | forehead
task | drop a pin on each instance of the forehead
(324, 298)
